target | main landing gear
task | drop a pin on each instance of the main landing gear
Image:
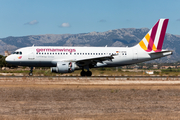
(31, 71)
(86, 73)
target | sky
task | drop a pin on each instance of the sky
(37, 17)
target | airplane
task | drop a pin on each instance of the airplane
(68, 59)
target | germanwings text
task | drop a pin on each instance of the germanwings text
(55, 50)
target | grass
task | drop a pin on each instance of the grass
(95, 71)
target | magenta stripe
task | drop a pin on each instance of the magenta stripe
(148, 50)
(162, 35)
(152, 36)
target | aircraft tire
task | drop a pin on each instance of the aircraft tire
(83, 73)
(30, 74)
(88, 73)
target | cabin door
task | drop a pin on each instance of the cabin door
(31, 54)
(135, 54)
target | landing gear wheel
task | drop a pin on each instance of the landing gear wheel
(83, 73)
(30, 74)
(88, 73)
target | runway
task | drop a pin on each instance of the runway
(92, 77)
(105, 80)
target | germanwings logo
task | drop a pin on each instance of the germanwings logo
(55, 50)
(153, 40)
(19, 57)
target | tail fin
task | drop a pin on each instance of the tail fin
(155, 37)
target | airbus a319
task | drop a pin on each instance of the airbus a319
(68, 59)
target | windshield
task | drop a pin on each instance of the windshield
(17, 52)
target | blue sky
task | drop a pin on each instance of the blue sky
(34, 17)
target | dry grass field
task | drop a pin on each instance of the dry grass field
(87, 102)
(95, 71)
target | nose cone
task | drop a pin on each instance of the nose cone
(8, 59)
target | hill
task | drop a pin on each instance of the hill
(116, 38)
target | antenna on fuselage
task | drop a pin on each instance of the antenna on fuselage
(106, 46)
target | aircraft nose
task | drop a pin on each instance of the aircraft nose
(8, 59)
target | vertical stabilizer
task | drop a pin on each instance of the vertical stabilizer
(154, 39)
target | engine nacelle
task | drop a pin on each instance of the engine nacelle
(64, 67)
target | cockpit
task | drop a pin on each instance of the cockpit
(17, 52)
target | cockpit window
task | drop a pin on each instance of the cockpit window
(17, 52)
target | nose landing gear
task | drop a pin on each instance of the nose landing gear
(31, 71)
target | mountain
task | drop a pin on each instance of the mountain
(116, 38)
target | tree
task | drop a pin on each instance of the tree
(3, 63)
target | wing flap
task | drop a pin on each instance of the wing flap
(100, 58)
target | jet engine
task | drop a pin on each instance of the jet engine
(64, 67)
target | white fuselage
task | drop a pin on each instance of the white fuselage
(49, 56)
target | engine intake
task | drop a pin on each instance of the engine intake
(64, 67)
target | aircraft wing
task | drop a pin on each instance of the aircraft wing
(93, 60)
